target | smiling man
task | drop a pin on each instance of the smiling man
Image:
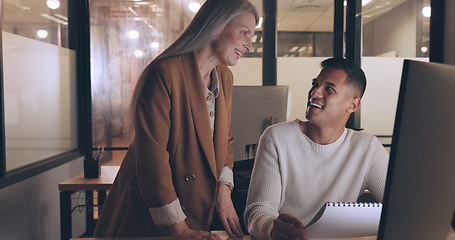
(301, 165)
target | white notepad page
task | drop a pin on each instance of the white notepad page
(345, 220)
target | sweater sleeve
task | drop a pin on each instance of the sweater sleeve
(264, 194)
(377, 175)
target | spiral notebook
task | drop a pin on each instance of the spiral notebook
(345, 220)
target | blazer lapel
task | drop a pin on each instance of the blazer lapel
(221, 131)
(199, 108)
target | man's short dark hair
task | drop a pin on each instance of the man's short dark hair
(355, 74)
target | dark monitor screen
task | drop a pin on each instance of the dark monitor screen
(419, 197)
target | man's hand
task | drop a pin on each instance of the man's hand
(289, 227)
(226, 212)
(182, 231)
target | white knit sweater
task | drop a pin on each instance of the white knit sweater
(293, 174)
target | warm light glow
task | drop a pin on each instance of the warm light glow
(260, 22)
(53, 4)
(254, 38)
(133, 34)
(55, 19)
(155, 45)
(194, 6)
(302, 49)
(365, 2)
(41, 33)
(426, 11)
(293, 49)
(138, 53)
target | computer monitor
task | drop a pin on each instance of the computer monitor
(253, 109)
(419, 198)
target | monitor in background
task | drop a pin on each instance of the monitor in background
(253, 109)
(419, 197)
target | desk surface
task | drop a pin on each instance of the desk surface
(224, 238)
(79, 183)
(104, 182)
(222, 234)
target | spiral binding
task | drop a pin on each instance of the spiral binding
(352, 204)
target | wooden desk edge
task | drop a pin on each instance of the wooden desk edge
(79, 183)
(79, 187)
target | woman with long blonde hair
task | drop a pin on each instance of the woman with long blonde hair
(177, 174)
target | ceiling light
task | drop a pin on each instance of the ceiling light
(52, 18)
(155, 45)
(424, 49)
(194, 6)
(302, 49)
(365, 2)
(61, 16)
(138, 53)
(426, 11)
(294, 49)
(254, 38)
(260, 22)
(53, 4)
(132, 11)
(41, 33)
(133, 34)
(152, 6)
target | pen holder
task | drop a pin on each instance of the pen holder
(92, 168)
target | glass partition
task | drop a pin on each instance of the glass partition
(124, 37)
(39, 81)
(305, 33)
(305, 38)
(392, 31)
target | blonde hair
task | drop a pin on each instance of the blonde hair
(204, 28)
(207, 24)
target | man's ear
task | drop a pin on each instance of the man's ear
(354, 105)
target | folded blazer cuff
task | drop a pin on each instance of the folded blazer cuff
(226, 176)
(168, 214)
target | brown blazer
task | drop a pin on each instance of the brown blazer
(173, 140)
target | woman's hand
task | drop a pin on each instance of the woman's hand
(226, 211)
(182, 231)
